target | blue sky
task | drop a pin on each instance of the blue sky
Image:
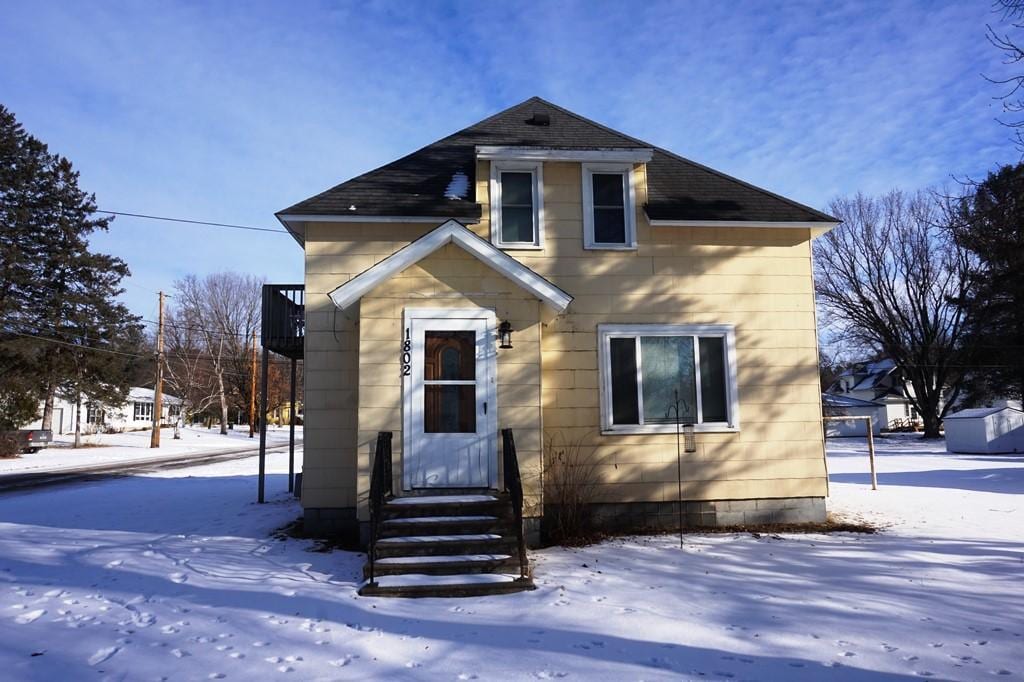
(230, 111)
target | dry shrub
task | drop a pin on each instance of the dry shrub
(571, 487)
(9, 446)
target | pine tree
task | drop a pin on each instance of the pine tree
(61, 327)
(991, 227)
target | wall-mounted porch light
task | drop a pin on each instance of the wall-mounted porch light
(505, 335)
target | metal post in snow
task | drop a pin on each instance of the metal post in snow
(291, 435)
(263, 422)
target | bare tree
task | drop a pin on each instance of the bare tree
(189, 368)
(224, 309)
(1011, 11)
(889, 278)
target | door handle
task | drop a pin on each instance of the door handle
(485, 407)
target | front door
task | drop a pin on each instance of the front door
(450, 438)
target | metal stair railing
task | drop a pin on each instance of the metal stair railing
(514, 488)
(380, 491)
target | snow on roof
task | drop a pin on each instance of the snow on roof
(458, 188)
(978, 412)
(145, 395)
(832, 400)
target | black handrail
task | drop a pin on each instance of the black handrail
(514, 488)
(380, 490)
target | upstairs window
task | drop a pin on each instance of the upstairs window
(609, 214)
(645, 369)
(517, 207)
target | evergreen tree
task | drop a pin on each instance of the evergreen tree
(61, 327)
(991, 227)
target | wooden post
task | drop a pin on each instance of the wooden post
(158, 385)
(871, 443)
(871, 454)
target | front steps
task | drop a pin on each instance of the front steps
(455, 545)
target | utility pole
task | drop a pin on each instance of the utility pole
(158, 387)
(252, 389)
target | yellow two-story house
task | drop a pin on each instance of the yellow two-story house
(539, 277)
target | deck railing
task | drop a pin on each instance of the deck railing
(514, 488)
(284, 318)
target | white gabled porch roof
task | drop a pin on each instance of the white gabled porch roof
(451, 232)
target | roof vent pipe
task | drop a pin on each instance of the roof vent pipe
(539, 120)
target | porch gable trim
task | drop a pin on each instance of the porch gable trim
(450, 232)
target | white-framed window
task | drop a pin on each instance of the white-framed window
(517, 205)
(142, 411)
(93, 414)
(609, 206)
(645, 369)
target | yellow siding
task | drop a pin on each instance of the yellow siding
(756, 279)
(448, 278)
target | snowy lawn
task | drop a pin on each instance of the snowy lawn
(176, 575)
(114, 448)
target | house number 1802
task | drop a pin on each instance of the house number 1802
(407, 355)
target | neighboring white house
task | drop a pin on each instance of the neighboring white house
(986, 430)
(846, 406)
(136, 413)
(879, 382)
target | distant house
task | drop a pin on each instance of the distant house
(136, 413)
(881, 383)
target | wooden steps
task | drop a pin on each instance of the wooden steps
(446, 545)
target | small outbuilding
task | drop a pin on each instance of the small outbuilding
(847, 406)
(986, 430)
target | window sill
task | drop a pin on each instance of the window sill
(519, 247)
(609, 247)
(666, 428)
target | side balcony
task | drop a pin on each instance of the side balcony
(284, 319)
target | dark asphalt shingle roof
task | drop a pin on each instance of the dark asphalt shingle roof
(415, 185)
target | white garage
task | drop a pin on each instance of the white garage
(847, 406)
(985, 430)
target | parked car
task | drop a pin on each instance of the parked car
(30, 440)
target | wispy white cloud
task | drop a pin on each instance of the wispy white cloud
(232, 111)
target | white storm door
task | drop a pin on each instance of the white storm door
(451, 425)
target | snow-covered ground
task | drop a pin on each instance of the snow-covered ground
(115, 448)
(176, 575)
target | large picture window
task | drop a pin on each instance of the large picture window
(609, 220)
(142, 411)
(650, 371)
(517, 205)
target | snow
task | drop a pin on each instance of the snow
(133, 446)
(179, 575)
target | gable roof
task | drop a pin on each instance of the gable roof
(978, 412)
(427, 183)
(451, 232)
(832, 400)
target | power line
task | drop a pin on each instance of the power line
(173, 356)
(194, 222)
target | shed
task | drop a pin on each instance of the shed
(847, 406)
(985, 430)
